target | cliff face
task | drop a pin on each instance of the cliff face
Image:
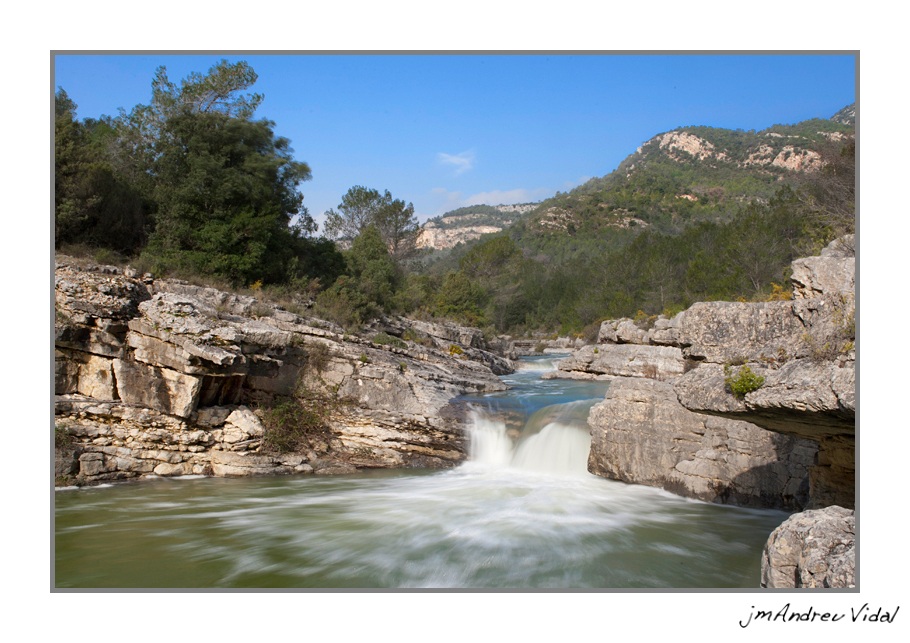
(438, 239)
(161, 377)
(641, 434)
(794, 432)
(806, 352)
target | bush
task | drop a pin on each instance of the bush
(63, 439)
(344, 305)
(289, 422)
(384, 339)
(745, 381)
(292, 422)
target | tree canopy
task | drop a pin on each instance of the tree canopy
(362, 207)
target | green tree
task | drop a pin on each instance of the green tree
(399, 228)
(142, 133)
(92, 204)
(372, 268)
(227, 193)
(362, 207)
(358, 209)
(490, 259)
(461, 298)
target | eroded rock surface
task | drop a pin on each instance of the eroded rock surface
(814, 548)
(642, 434)
(805, 351)
(624, 360)
(165, 378)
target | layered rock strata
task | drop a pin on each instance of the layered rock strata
(805, 352)
(604, 362)
(162, 377)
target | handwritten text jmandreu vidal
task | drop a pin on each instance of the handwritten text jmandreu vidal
(864, 614)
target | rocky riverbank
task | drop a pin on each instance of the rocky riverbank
(785, 438)
(160, 377)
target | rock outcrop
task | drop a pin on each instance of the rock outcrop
(804, 349)
(812, 549)
(162, 377)
(641, 434)
(606, 361)
(652, 430)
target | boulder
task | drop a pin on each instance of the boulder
(814, 548)
(831, 273)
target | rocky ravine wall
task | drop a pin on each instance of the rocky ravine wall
(161, 377)
(642, 434)
(669, 420)
(809, 391)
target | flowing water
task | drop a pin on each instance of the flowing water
(522, 512)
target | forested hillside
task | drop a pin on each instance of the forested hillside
(191, 186)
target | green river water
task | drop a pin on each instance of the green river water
(516, 515)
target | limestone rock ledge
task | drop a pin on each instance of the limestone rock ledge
(623, 360)
(642, 434)
(799, 347)
(164, 378)
(812, 549)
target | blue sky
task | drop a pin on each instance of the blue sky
(446, 131)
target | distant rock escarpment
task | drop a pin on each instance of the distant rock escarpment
(166, 378)
(439, 238)
(469, 223)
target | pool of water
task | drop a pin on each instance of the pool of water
(523, 512)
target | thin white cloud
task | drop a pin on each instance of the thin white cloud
(462, 162)
(568, 185)
(508, 197)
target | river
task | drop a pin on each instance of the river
(522, 512)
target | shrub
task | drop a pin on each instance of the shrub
(454, 349)
(63, 439)
(317, 357)
(745, 381)
(343, 304)
(289, 422)
(384, 339)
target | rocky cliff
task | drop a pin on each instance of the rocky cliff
(642, 434)
(805, 351)
(166, 378)
(786, 436)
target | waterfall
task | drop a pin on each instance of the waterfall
(555, 439)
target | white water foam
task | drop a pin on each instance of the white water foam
(539, 365)
(558, 448)
(489, 443)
